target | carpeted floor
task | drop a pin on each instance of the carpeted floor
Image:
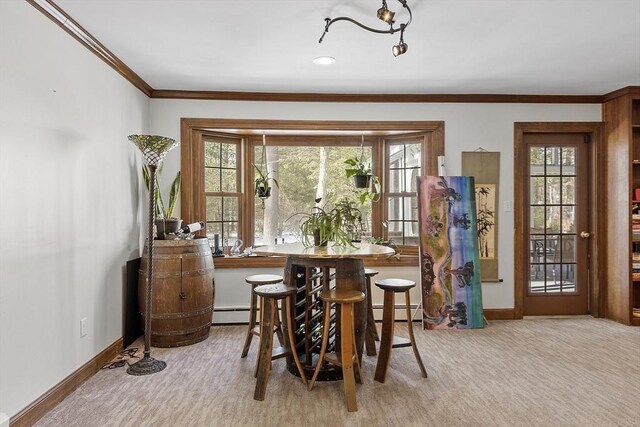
(538, 372)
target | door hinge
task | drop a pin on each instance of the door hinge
(587, 138)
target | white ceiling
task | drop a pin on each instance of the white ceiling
(558, 47)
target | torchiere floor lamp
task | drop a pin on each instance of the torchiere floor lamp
(153, 148)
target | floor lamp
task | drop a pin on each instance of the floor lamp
(153, 148)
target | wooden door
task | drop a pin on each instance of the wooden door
(556, 223)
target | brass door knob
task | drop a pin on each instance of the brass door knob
(585, 234)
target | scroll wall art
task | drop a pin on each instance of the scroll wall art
(449, 257)
(484, 166)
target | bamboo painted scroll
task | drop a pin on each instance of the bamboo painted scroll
(449, 258)
(484, 166)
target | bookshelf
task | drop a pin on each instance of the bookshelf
(621, 117)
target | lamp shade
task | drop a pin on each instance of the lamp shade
(153, 147)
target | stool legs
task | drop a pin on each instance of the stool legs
(388, 320)
(412, 337)
(371, 334)
(268, 321)
(252, 323)
(266, 348)
(387, 340)
(253, 310)
(349, 360)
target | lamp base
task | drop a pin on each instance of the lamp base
(145, 366)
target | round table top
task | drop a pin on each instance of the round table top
(360, 250)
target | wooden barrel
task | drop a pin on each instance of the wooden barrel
(182, 294)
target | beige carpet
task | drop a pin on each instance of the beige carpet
(542, 372)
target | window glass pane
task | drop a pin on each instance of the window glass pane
(228, 154)
(395, 209)
(536, 156)
(553, 219)
(212, 154)
(214, 208)
(568, 191)
(396, 181)
(568, 219)
(229, 181)
(212, 181)
(304, 173)
(552, 160)
(568, 156)
(536, 187)
(536, 218)
(553, 190)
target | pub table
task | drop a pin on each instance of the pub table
(312, 269)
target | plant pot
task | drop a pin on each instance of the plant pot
(362, 181)
(263, 192)
(166, 226)
(316, 239)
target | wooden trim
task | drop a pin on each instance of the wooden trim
(39, 408)
(629, 90)
(377, 98)
(598, 193)
(302, 125)
(500, 314)
(67, 23)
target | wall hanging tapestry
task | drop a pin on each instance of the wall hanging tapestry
(449, 258)
(484, 166)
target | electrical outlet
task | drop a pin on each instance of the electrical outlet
(507, 206)
(83, 327)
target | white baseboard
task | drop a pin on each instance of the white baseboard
(4, 420)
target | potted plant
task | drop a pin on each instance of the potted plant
(351, 218)
(262, 187)
(323, 225)
(363, 178)
(165, 222)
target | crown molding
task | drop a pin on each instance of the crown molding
(381, 98)
(629, 90)
(67, 23)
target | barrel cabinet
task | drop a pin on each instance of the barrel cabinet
(183, 291)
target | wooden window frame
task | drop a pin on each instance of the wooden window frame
(192, 132)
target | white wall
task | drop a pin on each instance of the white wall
(467, 127)
(69, 202)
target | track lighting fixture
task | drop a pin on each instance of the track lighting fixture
(385, 15)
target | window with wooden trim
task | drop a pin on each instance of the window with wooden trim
(218, 175)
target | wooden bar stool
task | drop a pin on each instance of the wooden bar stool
(258, 280)
(347, 356)
(371, 334)
(270, 295)
(388, 340)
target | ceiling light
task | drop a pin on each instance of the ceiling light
(383, 14)
(324, 60)
(401, 47)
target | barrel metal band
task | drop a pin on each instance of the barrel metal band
(200, 312)
(186, 255)
(181, 332)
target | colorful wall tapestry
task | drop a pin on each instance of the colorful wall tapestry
(449, 257)
(484, 166)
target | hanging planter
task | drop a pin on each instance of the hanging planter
(362, 181)
(262, 187)
(263, 192)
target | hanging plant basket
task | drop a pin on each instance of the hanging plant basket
(362, 181)
(263, 193)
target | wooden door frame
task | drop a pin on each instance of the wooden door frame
(597, 251)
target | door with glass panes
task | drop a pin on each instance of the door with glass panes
(556, 197)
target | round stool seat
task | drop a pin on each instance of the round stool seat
(278, 290)
(263, 279)
(395, 285)
(370, 272)
(342, 296)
